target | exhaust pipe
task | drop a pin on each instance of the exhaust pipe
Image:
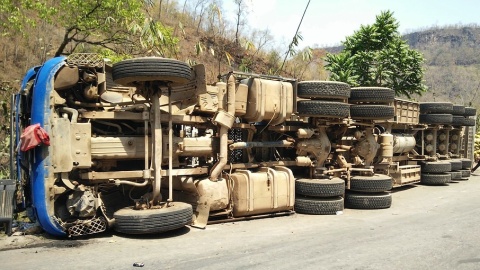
(225, 121)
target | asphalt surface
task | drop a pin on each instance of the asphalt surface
(427, 227)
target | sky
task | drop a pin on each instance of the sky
(328, 22)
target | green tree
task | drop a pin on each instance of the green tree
(103, 23)
(376, 55)
(14, 17)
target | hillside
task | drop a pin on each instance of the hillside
(452, 53)
(452, 63)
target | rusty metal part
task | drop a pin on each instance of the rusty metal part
(146, 118)
(366, 146)
(319, 146)
(247, 145)
(72, 112)
(131, 183)
(403, 143)
(305, 133)
(124, 115)
(157, 147)
(138, 174)
(271, 215)
(223, 133)
(170, 147)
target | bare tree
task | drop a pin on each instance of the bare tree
(241, 12)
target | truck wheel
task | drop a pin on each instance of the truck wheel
(435, 178)
(320, 187)
(357, 200)
(130, 221)
(436, 107)
(375, 112)
(469, 111)
(465, 174)
(455, 175)
(441, 119)
(372, 94)
(458, 110)
(131, 71)
(323, 89)
(319, 108)
(435, 166)
(463, 121)
(375, 183)
(318, 206)
(466, 164)
(456, 164)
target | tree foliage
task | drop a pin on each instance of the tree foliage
(14, 17)
(103, 23)
(376, 55)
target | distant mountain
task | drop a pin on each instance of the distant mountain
(452, 63)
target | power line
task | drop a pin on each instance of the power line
(293, 39)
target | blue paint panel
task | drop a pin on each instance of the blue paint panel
(42, 164)
(30, 75)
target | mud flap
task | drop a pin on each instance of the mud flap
(202, 211)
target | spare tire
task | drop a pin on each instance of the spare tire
(375, 183)
(465, 174)
(132, 71)
(372, 94)
(357, 200)
(455, 175)
(318, 206)
(456, 164)
(436, 107)
(458, 110)
(320, 108)
(469, 111)
(323, 89)
(435, 178)
(439, 119)
(131, 221)
(463, 121)
(466, 163)
(372, 112)
(320, 187)
(435, 166)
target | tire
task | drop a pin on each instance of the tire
(436, 107)
(372, 94)
(465, 174)
(469, 111)
(435, 179)
(441, 119)
(458, 110)
(374, 112)
(466, 164)
(356, 200)
(456, 164)
(318, 206)
(319, 108)
(323, 89)
(130, 221)
(320, 187)
(375, 183)
(436, 166)
(131, 71)
(455, 175)
(463, 121)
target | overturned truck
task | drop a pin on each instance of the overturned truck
(146, 146)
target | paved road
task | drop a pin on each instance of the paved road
(426, 228)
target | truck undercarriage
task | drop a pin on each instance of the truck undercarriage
(146, 146)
